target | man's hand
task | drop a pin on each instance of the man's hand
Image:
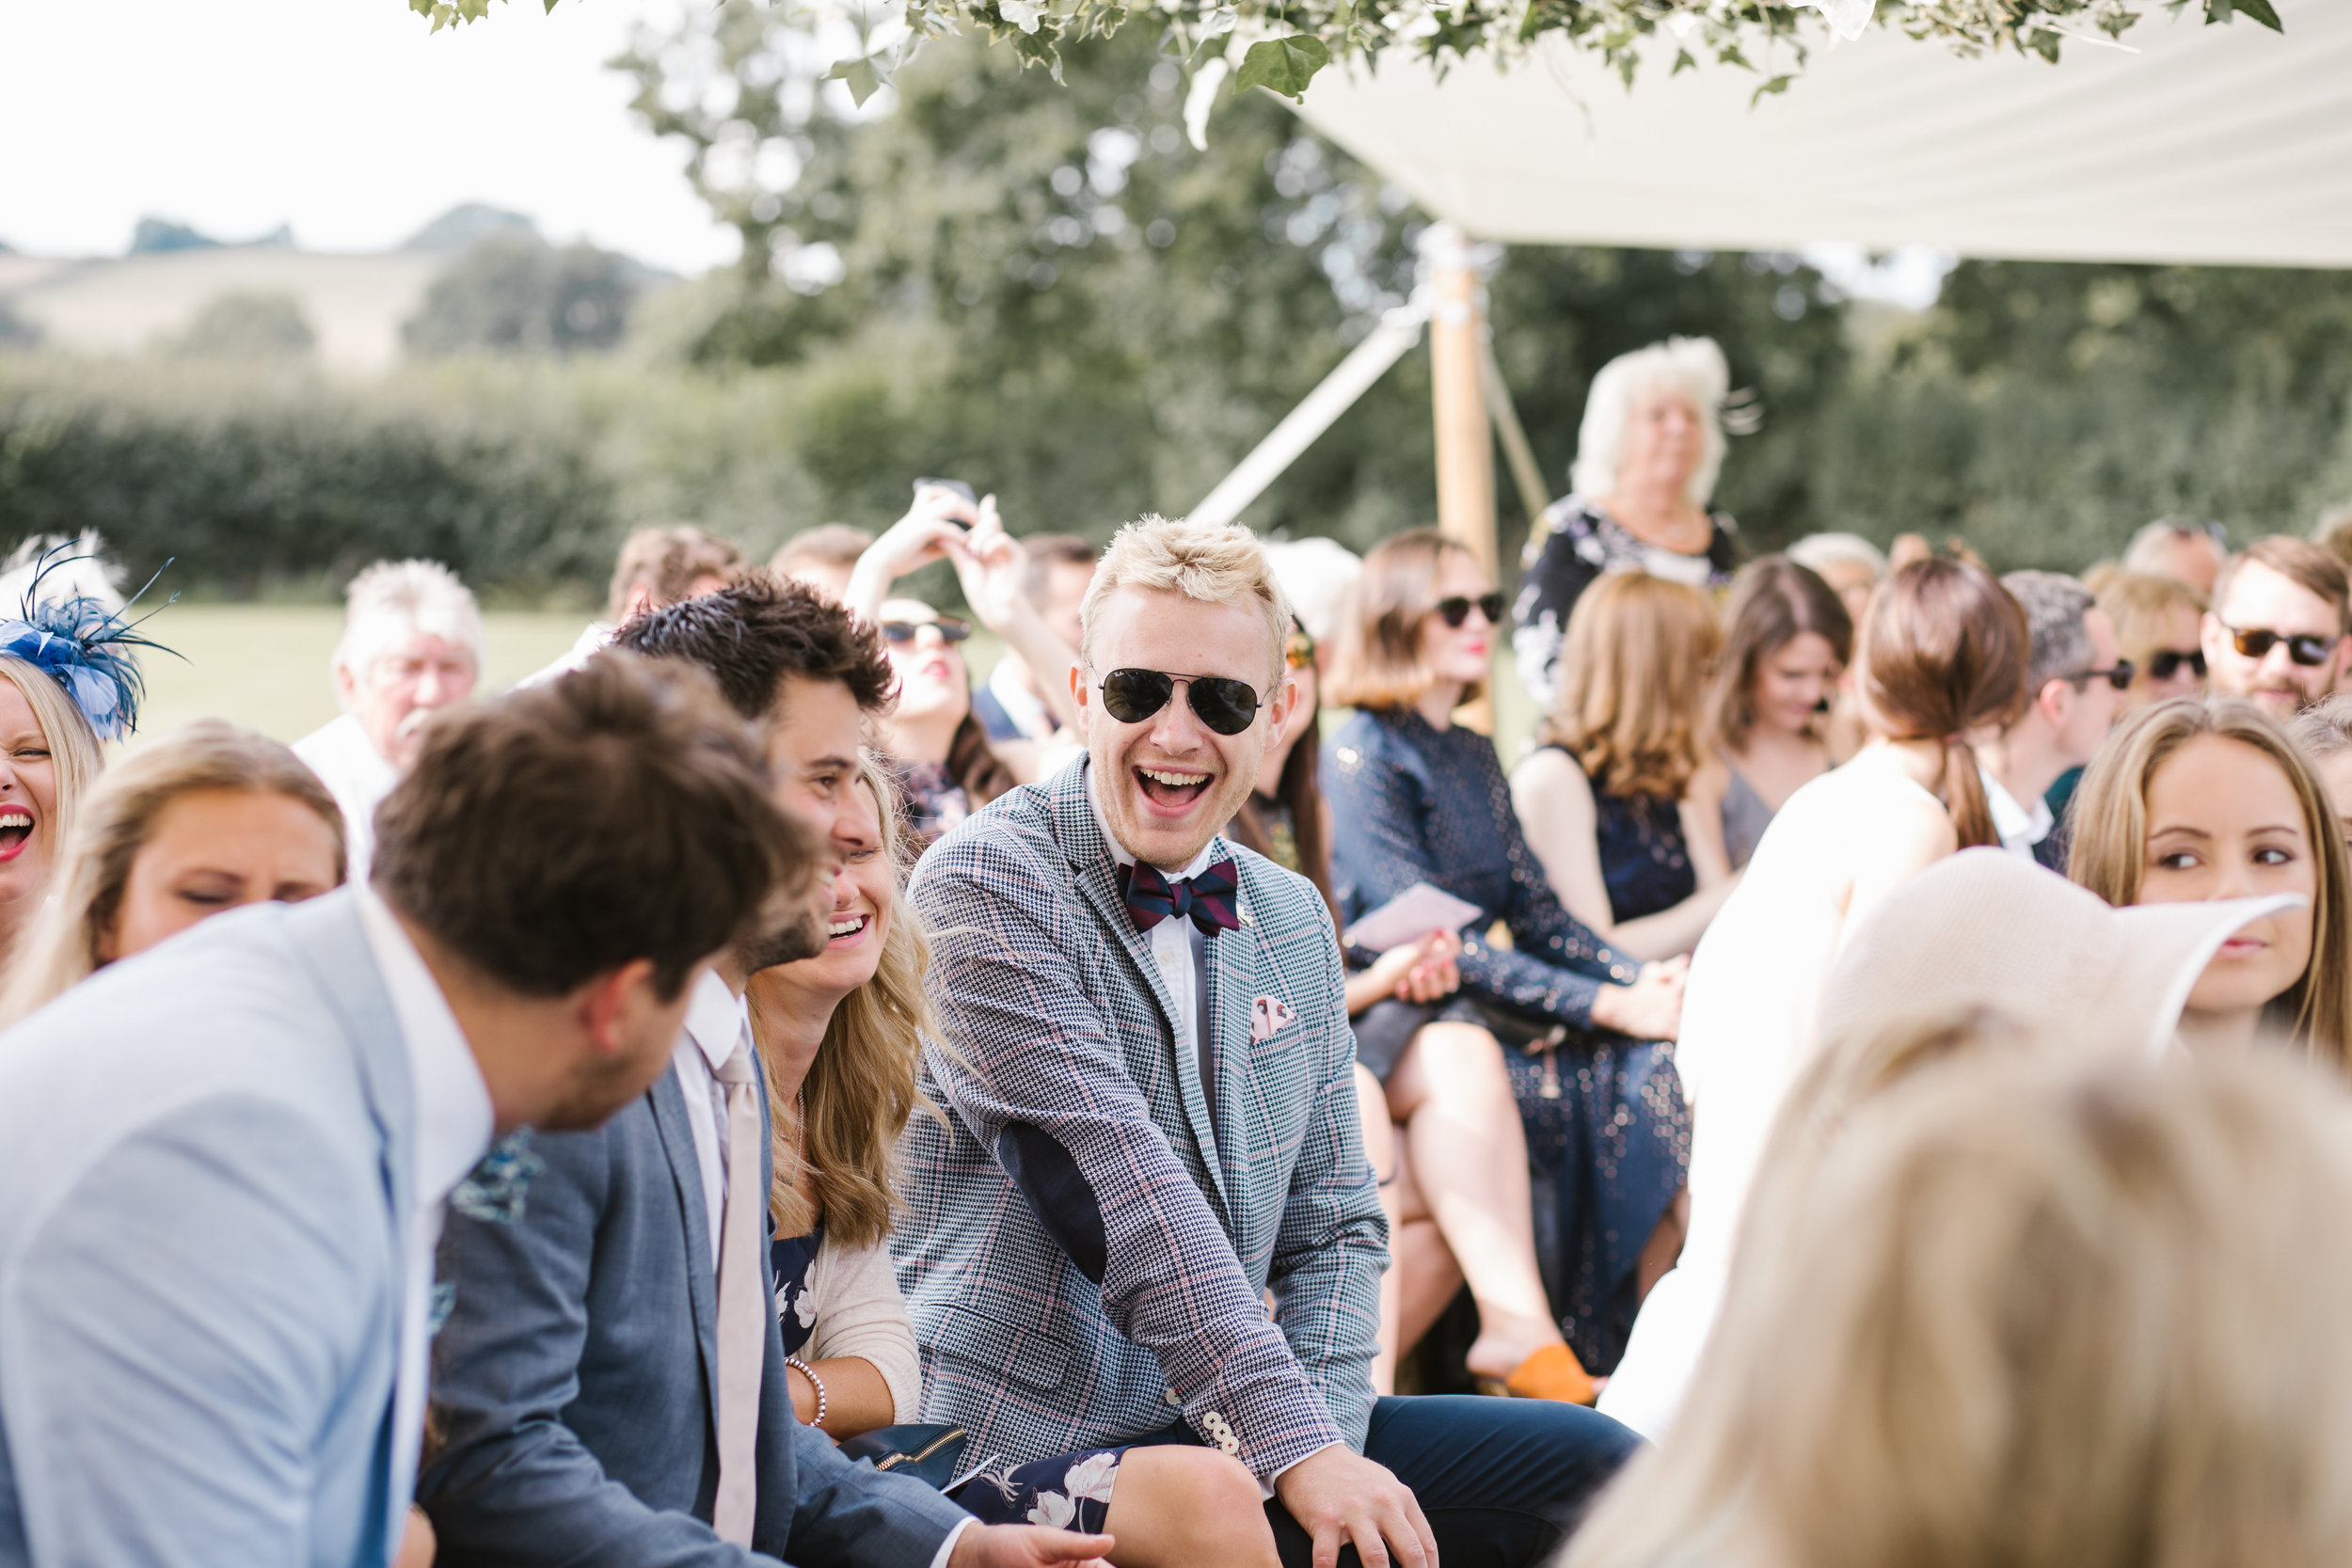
(1029, 1546)
(1338, 1496)
(1651, 1007)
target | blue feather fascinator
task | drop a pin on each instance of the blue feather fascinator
(70, 626)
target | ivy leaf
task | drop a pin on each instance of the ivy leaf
(1778, 84)
(863, 80)
(1283, 65)
(2260, 10)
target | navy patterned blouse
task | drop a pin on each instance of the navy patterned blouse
(1412, 803)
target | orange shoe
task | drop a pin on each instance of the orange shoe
(1552, 1373)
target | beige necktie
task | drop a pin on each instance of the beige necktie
(742, 1305)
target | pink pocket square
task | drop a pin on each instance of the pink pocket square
(1269, 1015)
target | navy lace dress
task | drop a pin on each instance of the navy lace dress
(1645, 863)
(1607, 1130)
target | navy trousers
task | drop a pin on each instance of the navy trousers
(1502, 1481)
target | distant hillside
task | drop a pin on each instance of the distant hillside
(357, 302)
(458, 227)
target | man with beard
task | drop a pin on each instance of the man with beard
(609, 1386)
(411, 644)
(2276, 631)
(227, 1158)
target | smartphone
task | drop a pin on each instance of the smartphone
(955, 486)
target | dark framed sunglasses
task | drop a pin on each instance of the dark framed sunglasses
(2310, 652)
(2165, 663)
(2118, 674)
(1227, 706)
(904, 632)
(1457, 610)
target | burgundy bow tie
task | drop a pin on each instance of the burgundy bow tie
(1208, 898)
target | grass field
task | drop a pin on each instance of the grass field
(265, 667)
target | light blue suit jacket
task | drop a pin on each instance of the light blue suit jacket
(205, 1188)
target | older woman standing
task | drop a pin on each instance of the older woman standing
(1646, 458)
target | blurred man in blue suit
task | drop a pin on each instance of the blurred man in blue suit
(224, 1161)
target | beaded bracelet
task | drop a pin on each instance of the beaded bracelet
(814, 1382)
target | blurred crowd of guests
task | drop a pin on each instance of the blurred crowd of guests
(1847, 1075)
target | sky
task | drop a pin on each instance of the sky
(345, 119)
(350, 121)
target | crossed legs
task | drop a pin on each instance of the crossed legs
(1466, 1158)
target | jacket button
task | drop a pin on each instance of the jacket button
(1171, 1395)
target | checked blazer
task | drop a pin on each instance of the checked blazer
(1088, 1246)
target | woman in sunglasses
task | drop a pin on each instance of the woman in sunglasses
(1286, 819)
(930, 739)
(1418, 799)
(2211, 799)
(948, 766)
(1646, 456)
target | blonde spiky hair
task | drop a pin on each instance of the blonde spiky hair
(1214, 562)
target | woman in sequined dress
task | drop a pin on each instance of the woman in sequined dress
(1943, 653)
(1605, 797)
(1290, 823)
(1646, 458)
(1417, 799)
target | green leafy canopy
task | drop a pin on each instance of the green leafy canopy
(1283, 43)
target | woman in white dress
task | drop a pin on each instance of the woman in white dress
(1943, 651)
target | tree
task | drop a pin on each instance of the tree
(1049, 291)
(1280, 44)
(249, 326)
(513, 292)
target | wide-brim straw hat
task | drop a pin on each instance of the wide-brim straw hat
(1985, 929)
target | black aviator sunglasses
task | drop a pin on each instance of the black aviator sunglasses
(949, 629)
(1226, 705)
(1457, 610)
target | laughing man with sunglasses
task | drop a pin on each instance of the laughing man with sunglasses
(2276, 632)
(1151, 1134)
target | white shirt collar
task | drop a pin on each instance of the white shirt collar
(2019, 828)
(454, 1119)
(715, 1019)
(1119, 851)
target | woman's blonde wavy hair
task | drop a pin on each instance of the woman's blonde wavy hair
(1633, 678)
(2110, 851)
(114, 822)
(2028, 1314)
(860, 1086)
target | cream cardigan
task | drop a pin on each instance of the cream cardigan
(858, 1310)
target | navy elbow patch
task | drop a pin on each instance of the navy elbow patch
(1059, 1192)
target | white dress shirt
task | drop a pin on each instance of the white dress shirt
(2020, 830)
(1176, 944)
(347, 762)
(715, 1021)
(454, 1122)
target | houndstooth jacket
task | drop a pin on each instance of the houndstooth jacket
(1086, 1257)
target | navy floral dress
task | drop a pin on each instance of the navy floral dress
(1607, 1130)
(1575, 541)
